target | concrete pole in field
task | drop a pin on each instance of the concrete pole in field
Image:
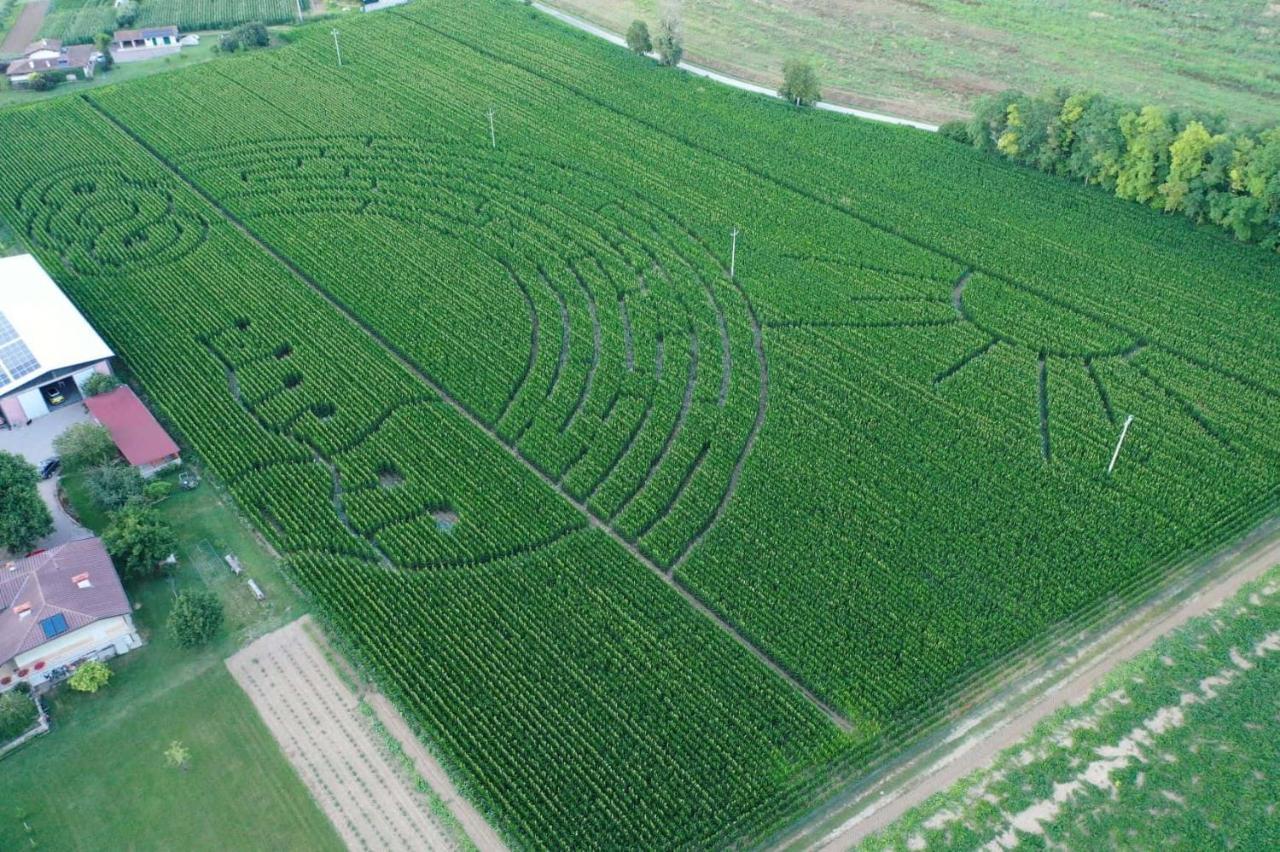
(733, 252)
(1124, 431)
(493, 137)
(336, 49)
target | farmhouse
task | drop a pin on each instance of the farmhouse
(61, 607)
(142, 441)
(148, 43)
(47, 349)
(49, 55)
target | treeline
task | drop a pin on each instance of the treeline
(1175, 162)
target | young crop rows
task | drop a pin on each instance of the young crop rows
(652, 553)
(78, 21)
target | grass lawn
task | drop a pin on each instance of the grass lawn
(99, 780)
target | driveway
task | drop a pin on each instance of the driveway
(35, 442)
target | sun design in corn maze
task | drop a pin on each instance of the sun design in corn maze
(639, 385)
(99, 218)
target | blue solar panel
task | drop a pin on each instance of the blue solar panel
(54, 625)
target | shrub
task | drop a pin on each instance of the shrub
(17, 713)
(100, 383)
(245, 37)
(158, 491)
(114, 484)
(90, 676)
(85, 445)
(195, 618)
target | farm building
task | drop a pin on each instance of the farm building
(148, 43)
(61, 607)
(142, 441)
(49, 55)
(47, 349)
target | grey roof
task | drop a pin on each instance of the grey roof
(146, 32)
(47, 582)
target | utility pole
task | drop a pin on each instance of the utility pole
(336, 49)
(733, 252)
(493, 137)
(1124, 431)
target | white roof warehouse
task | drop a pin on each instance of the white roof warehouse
(47, 348)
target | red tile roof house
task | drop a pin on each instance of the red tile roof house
(61, 607)
(78, 61)
(141, 440)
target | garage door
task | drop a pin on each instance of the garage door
(33, 403)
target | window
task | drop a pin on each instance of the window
(54, 625)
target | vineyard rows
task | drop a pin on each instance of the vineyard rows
(78, 21)
(481, 395)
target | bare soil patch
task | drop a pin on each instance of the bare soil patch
(315, 717)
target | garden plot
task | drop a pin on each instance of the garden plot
(317, 721)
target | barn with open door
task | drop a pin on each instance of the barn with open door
(47, 348)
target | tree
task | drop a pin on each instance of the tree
(85, 445)
(195, 618)
(113, 484)
(638, 37)
(90, 676)
(100, 383)
(24, 518)
(669, 42)
(138, 540)
(1148, 135)
(245, 37)
(177, 755)
(800, 83)
(126, 13)
(44, 81)
(17, 713)
(102, 41)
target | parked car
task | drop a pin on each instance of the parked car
(49, 467)
(53, 395)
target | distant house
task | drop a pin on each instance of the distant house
(142, 441)
(147, 43)
(49, 55)
(47, 348)
(61, 607)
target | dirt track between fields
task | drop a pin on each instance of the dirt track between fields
(1003, 725)
(25, 28)
(316, 718)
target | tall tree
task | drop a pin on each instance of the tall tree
(638, 39)
(800, 83)
(24, 518)
(1148, 135)
(669, 40)
(138, 540)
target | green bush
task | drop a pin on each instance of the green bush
(17, 713)
(114, 484)
(90, 676)
(195, 618)
(100, 383)
(84, 445)
(138, 540)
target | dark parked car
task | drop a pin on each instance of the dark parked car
(49, 467)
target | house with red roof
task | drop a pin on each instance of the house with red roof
(60, 607)
(141, 439)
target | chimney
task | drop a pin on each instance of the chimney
(23, 609)
(11, 565)
(82, 581)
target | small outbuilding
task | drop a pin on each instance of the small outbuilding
(61, 607)
(47, 348)
(146, 43)
(142, 440)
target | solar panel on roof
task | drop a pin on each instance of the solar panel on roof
(17, 359)
(7, 332)
(54, 625)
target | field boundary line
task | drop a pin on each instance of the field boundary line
(836, 718)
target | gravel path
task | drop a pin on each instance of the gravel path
(975, 740)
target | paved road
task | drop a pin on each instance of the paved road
(726, 79)
(65, 528)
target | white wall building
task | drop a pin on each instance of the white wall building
(146, 43)
(47, 349)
